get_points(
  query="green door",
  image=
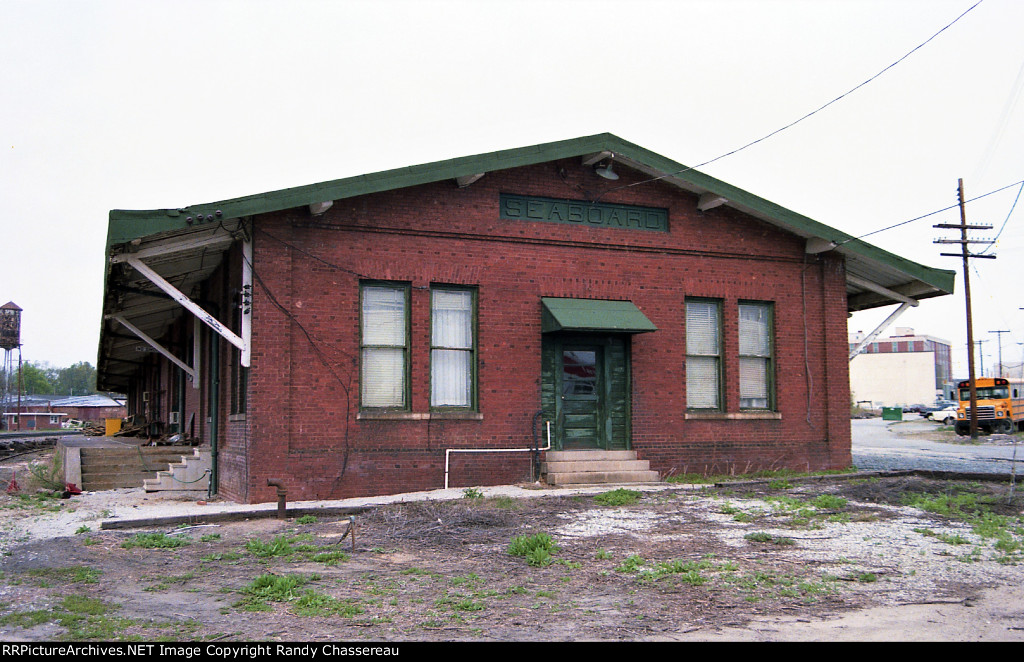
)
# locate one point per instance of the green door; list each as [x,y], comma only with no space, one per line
[585,386]
[581,393]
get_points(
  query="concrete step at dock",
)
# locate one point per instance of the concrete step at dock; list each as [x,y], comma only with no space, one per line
[190,472]
[593,467]
[117,468]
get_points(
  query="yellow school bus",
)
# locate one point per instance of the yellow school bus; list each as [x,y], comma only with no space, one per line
[1000,405]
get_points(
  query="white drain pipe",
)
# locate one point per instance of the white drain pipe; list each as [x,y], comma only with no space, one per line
[449,451]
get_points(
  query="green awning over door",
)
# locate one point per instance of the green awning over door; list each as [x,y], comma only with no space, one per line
[593,315]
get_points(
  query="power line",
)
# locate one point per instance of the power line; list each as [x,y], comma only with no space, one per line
[939,211]
[797,121]
[1006,220]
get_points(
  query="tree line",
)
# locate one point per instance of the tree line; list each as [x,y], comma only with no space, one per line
[40,378]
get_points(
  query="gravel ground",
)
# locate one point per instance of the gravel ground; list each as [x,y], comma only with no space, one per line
[926,589]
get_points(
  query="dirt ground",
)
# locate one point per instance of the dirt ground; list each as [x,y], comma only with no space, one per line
[818,560]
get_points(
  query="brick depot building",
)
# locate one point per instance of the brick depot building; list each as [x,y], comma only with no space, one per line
[427,326]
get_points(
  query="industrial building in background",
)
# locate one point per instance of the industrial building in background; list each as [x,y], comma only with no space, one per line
[904,369]
[541,313]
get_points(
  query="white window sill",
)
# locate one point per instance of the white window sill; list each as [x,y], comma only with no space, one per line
[733,416]
[419,416]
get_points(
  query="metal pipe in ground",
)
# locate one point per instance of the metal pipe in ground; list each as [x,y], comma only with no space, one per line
[281,494]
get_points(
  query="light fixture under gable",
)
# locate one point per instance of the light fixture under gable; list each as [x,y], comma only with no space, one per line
[604,169]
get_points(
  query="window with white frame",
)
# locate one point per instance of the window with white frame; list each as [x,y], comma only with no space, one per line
[756,384]
[384,345]
[452,347]
[703,354]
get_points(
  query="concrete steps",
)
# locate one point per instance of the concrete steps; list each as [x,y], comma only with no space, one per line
[191,472]
[122,467]
[594,467]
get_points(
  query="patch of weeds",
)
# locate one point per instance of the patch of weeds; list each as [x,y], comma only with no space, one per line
[279,546]
[631,564]
[85,618]
[47,502]
[312,603]
[687,572]
[472,493]
[419,572]
[785,502]
[954,539]
[505,502]
[692,479]
[83,529]
[329,558]
[458,602]
[270,588]
[77,574]
[781,474]
[867,577]
[389,588]
[155,541]
[602,554]
[210,537]
[470,580]
[538,549]
[283,546]
[828,502]
[619,497]
[1007,533]
[306,519]
[971,557]
[761,536]
[167,581]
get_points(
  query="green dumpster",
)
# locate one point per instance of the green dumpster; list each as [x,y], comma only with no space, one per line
[892,413]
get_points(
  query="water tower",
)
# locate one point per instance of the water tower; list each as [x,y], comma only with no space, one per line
[10,339]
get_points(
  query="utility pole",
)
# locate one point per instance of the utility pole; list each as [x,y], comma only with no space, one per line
[1000,341]
[966,255]
[981,355]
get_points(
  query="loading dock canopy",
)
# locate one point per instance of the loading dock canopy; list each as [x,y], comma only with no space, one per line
[593,315]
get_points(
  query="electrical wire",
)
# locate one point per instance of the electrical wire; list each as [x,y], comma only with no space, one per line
[1005,221]
[321,355]
[801,119]
[939,211]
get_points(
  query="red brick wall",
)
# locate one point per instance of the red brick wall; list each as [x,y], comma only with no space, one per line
[303,422]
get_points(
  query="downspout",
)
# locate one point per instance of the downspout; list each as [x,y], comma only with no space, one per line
[180,405]
[214,411]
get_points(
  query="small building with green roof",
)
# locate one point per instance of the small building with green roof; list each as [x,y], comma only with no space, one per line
[578,311]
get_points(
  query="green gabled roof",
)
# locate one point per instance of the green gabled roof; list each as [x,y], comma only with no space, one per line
[126,225]
[864,260]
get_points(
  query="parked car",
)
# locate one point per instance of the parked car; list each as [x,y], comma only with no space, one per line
[946,416]
[938,406]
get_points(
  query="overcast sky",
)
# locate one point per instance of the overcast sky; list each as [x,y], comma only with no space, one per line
[150,104]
